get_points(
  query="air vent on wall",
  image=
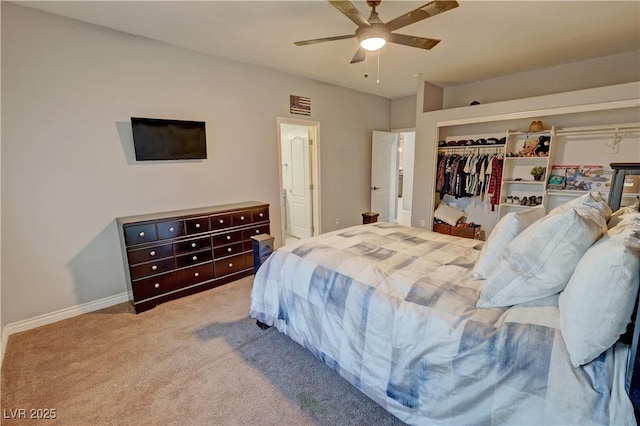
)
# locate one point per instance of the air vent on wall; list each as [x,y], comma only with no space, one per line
[299,105]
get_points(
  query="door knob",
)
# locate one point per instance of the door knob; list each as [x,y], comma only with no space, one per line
[373,188]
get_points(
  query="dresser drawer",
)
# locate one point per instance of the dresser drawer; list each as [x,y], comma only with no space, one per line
[228,250]
[137,234]
[255,230]
[197,225]
[193,258]
[154,286]
[227,238]
[228,265]
[195,274]
[240,218]
[144,269]
[170,229]
[150,253]
[192,245]
[260,214]
[221,221]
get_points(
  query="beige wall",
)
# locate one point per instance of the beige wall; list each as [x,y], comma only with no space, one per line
[403,113]
[597,72]
[68,92]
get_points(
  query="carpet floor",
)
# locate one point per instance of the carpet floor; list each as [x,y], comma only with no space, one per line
[198,360]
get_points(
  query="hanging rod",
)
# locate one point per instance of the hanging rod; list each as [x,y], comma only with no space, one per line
[599,130]
[497,148]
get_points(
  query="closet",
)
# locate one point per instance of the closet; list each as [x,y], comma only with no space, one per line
[576,142]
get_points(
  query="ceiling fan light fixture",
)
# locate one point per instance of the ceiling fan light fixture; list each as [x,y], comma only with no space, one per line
[373,38]
[373,43]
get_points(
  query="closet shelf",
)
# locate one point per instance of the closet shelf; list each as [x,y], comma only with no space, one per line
[577,193]
[527,159]
[525,182]
[514,205]
[493,147]
[523,132]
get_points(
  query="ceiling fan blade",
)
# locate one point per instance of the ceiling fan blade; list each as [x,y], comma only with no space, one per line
[420,42]
[351,12]
[322,40]
[360,55]
[430,9]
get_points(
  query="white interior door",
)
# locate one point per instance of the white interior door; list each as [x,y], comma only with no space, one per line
[384,175]
[299,193]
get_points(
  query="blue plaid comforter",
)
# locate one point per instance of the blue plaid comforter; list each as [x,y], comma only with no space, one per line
[392,310]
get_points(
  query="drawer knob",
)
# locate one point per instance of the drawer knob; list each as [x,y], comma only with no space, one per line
[197,274]
[197,225]
[221,220]
[257,231]
[261,215]
[156,285]
[241,217]
[228,237]
[195,257]
[171,229]
[152,253]
[230,264]
[193,244]
[229,249]
[141,233]
[154,267]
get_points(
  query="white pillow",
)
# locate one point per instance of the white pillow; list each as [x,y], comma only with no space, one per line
[448,214]
[598,302]
[630,222]
[505,230]
[619,215]
[591,199]
[539,262]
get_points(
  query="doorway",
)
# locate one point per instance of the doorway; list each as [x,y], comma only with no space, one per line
[299,165]
[406,152]
[392,165]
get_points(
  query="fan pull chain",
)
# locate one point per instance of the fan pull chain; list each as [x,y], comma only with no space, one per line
[366,61]
[378,79]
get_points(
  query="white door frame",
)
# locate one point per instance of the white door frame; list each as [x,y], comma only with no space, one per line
[387,205]
[398,131]
[314,152]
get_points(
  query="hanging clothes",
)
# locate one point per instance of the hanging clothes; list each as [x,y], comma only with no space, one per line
[464,175]
[493,190]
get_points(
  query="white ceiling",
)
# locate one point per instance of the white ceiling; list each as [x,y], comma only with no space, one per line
[480,39]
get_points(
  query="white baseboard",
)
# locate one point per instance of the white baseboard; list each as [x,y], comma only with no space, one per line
[55,316]
[3,348]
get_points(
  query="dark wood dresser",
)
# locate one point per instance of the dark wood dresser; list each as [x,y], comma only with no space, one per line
[174,254]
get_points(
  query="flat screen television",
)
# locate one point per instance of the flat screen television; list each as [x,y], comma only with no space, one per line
[160,139]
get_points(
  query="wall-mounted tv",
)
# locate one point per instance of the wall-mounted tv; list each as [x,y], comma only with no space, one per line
[160,139]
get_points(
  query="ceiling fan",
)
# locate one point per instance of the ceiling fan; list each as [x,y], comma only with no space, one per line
[373,34]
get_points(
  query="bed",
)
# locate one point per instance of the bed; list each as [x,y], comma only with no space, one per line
[394,311]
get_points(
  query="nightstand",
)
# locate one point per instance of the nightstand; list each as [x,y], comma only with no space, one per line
[369,217]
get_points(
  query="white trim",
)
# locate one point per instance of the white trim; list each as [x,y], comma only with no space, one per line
[315,172]
[73,311]
[602,106]
[5,340]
